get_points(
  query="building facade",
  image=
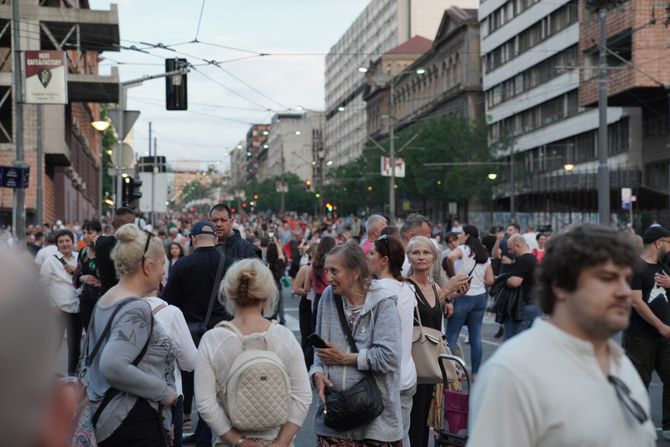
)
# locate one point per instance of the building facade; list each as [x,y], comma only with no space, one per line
[383,25]
[532,67]
[295,145]
[449,83]
[71,149]
[257,136]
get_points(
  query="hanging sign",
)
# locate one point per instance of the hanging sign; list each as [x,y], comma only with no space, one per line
[46,79]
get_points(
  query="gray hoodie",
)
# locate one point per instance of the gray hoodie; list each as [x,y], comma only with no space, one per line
[378,339]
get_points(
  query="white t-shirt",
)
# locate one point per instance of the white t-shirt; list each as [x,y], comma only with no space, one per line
[531,240]
[174,324]
[58,283]
[44,253]
[404,292]
[465,265]
[544,388]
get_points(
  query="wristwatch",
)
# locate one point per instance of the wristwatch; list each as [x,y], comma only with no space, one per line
[240,441]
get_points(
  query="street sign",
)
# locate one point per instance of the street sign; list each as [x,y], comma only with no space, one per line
[281,186]
[399,167]
[46,77]
[626,198]
[13,177]
[129,118]
[154,192]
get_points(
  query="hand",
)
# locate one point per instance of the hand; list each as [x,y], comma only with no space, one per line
[665,331]
[335,356]
[277,443]
[449,309]
[456,283]
[506,260]
[171,399]
[663,280]
[249,443]
[321,382]
[69,269]
[500,235]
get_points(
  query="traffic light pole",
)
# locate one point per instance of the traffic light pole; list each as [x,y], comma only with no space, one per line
[123,92]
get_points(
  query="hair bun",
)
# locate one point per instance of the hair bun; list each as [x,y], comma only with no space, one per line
[127,233]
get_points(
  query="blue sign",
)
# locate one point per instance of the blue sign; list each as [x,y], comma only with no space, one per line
[12,177]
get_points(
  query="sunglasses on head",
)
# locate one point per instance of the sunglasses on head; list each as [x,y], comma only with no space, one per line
[146,245]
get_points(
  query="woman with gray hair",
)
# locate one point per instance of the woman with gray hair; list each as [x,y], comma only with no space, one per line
[248,291]
[372,318]
[131,383]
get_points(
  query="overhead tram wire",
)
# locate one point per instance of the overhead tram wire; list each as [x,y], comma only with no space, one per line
[197,31]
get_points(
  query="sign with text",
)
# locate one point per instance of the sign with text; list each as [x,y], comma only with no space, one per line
[46,78]
[399,167]
[13,177]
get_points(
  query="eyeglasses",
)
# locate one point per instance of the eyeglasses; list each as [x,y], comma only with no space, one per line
[146,245]
[623,394]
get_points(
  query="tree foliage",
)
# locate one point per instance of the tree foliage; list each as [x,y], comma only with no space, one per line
[358,185]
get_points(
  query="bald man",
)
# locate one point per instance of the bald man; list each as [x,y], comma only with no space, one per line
[522,274]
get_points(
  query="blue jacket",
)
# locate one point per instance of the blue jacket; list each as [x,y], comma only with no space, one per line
[377,337]
[236,248]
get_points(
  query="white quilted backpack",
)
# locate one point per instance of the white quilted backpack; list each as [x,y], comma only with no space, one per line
[257,392]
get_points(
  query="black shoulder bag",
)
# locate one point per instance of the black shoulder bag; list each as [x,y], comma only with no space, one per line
[359,404]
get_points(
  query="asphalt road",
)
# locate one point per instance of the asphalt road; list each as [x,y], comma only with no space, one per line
[307,438]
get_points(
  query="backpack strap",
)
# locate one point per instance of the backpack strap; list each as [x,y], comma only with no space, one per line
[105,332]
[215,287]
[236,330]
[159,308]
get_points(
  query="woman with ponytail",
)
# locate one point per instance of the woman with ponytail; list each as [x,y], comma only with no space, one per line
[473,260]
[248,292]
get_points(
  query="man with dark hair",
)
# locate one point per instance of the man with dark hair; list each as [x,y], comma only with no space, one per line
[229,239]
[646,338]
[103,250]
[564,382]
[190,286]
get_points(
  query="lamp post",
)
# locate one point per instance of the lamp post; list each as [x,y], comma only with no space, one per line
[101,126]
[391,83]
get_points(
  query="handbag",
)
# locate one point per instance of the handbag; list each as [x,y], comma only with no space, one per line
[360,403]
[427,345]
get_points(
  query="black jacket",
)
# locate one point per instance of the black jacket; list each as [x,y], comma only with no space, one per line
[190,285]
[104,263]
[235,248]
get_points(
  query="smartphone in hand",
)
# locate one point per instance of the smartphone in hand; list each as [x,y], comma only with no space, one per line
[316,341]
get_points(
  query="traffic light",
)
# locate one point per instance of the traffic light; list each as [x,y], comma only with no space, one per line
[176,97]
[308,185]
[131,191]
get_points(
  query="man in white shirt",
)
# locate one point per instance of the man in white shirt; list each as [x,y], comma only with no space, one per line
[564,381]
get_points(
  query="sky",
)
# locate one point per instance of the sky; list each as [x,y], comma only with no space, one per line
[246,88]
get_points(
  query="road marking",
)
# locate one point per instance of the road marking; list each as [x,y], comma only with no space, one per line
[292,323]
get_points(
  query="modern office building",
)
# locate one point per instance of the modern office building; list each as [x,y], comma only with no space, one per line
[383,25]
[537,110]
[69,166]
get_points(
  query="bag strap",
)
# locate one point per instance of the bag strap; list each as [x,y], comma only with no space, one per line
[105,331]
[230,325]
[111,391]
[215,288]
[473,269]
[339,303]
[159,308]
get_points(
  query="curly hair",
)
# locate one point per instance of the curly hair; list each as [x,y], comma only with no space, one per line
[568,254]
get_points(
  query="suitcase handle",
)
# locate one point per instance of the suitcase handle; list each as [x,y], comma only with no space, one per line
[441,359]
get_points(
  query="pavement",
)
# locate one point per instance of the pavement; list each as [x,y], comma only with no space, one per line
[306,436]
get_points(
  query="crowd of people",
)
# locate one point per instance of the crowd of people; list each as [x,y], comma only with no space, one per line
[157,318]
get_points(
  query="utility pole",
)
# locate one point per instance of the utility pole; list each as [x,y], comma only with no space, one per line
[19,202]
[392,152]
[603,172]
[154,168]
[39,196]
[512,182]
[152,177]
[283,185]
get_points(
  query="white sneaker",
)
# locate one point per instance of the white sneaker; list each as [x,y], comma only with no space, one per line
[666,434]
[467,339]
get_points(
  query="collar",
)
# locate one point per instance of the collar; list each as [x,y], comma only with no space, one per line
[582,347]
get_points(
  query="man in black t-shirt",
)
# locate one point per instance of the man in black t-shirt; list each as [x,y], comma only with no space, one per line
[646,340]
[522,274]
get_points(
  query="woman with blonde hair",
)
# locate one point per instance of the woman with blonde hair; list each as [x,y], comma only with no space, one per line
[248,292]
[130,360]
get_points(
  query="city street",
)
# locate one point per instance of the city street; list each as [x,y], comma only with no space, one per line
[307,438]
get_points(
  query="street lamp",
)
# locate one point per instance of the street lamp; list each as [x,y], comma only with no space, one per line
[101,126]
[492,176]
